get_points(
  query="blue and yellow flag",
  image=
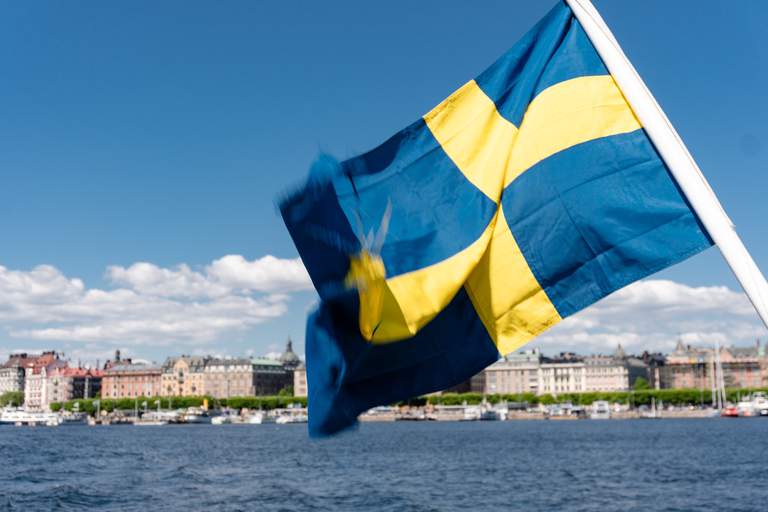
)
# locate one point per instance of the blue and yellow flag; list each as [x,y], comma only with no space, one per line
[525,196]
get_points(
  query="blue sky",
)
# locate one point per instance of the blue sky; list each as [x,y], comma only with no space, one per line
[163,132]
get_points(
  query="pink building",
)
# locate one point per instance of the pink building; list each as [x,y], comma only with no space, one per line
[125,379]
[72,383]
[691,367]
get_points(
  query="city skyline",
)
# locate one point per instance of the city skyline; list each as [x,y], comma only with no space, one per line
[137,211]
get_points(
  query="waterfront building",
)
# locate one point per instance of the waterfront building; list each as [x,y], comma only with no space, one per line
[126,379]
[528,371]
[183,376]
[36,379]
[562,374]
[66,383]
[693,367]
[226,377]
[270,376]
[300,380]
[35,388]
[515,373]
[655,368]
[605,373]
[742,366]
[616,372]
[12,372]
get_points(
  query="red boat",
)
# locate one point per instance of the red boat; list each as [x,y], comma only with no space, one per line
[730,412]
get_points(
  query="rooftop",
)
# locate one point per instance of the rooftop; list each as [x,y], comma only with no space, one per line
[265,361]
[132,367]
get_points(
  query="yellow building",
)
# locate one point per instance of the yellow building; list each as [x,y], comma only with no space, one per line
[183,376]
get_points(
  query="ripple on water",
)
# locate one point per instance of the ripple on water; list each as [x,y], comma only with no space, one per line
[566,466]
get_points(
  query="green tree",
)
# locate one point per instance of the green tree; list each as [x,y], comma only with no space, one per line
[12,399]
[641,384]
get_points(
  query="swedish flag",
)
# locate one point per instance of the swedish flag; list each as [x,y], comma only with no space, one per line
[528,194]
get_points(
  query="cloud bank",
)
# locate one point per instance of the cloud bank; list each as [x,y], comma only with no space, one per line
[147,303]
[653,314]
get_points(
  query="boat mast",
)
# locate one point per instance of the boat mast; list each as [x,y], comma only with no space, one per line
[713,379]
[719,374]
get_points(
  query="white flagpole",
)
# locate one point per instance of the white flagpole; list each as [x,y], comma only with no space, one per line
[672,149]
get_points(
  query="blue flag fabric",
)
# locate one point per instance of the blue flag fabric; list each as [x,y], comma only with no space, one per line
[527,195]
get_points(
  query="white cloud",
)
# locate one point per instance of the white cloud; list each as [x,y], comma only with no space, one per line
[148,304]
[154,306]
[181,281]
[653,314]
[223,276]
[44,284]
[266,274]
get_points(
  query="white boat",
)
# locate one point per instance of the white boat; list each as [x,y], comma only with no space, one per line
[156,418]
[601,410]
[260,418]
[196,416]
[746,408]
[284,419]
[760,401]
[32,418]
[471,413]
[73,418]
[227,418]
[150,423]
[755,405]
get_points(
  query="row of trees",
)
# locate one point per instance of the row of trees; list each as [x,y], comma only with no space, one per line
[178,402]
[635,398]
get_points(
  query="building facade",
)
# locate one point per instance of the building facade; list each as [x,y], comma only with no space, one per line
[515,373]
[12,372]
[36,390]
[694,367]
[228,377]
[562,374]
[300,381]
[71,384]
[270,376]
[183,376]
[125,379]
[224,378]
[528,371]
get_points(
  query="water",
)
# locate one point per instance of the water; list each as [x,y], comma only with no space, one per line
[668,465]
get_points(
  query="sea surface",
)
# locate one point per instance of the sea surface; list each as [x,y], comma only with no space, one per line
[627,465]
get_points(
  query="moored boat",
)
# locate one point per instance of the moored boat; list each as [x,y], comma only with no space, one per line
[31,418]
[73,418]
[226,418]
[260,418]
[601,410]
[291,415]
[156,418]
[150,423]
[196,416]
